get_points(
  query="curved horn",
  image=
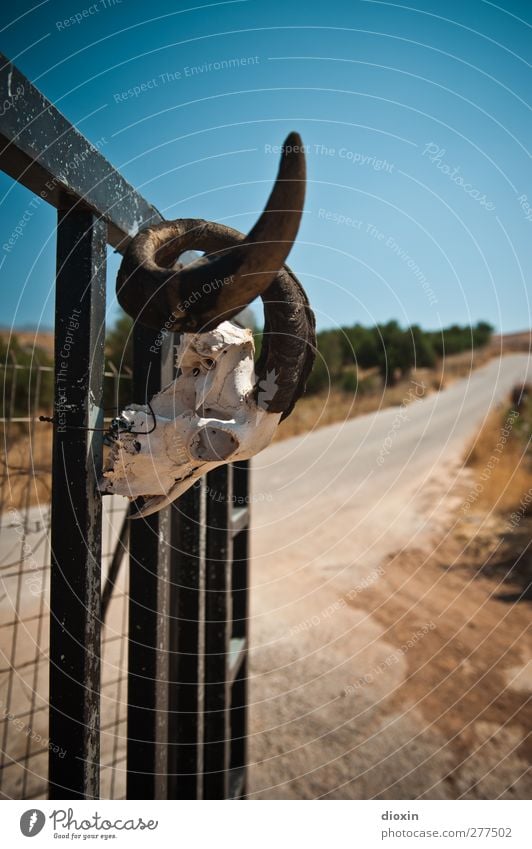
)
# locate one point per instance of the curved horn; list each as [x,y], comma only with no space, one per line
[217,286]
[238,268]
[288,345]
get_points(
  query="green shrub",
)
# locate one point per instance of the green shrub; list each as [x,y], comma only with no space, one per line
[350,382]
[390,348]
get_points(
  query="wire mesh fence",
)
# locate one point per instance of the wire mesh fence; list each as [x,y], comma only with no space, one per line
[25,487]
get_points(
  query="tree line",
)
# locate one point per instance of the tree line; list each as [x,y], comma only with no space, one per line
[385,350]
[390,350]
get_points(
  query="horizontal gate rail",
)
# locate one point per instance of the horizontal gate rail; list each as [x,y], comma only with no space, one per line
[43,151]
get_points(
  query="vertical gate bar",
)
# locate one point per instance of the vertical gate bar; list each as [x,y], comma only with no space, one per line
[187,635]
[149,546]
[240,552]
[76,507]
[240,596]
[218,620]
[238,726]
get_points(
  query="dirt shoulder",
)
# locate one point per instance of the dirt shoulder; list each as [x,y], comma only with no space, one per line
[418,685]
[470,675]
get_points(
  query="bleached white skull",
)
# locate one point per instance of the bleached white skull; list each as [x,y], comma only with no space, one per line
[221,407]
[207,416]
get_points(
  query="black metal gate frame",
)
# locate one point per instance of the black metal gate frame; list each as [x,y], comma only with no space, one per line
[188,578]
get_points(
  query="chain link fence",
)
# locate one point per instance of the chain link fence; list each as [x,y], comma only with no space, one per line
[25,488]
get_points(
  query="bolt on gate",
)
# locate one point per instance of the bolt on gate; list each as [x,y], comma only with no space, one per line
[186,588]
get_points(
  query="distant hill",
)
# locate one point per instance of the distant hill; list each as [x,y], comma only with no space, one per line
[29,337]
[521,341]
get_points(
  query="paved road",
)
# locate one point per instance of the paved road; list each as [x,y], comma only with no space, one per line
[362,474]
[331,506]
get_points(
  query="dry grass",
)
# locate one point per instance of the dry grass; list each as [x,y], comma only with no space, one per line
[501,460]
[37,341]
[460,365]
[25,470]
[512,342]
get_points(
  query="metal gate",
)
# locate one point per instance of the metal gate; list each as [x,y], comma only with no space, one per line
[181,649]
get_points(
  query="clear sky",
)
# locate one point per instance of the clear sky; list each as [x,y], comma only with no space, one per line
[416,118]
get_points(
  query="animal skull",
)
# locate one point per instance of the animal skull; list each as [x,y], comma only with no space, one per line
[207,416]
[221,407]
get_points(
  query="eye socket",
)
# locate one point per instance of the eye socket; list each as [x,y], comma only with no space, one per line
[208,364]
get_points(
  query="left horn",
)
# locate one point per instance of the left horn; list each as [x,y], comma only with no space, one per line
[235,270]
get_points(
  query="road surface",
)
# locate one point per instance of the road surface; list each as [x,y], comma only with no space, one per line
[330,507]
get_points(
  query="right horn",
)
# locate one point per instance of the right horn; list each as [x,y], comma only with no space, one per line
[197,297]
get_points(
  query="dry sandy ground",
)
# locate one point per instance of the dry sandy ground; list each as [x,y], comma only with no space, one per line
[415,685]
[389,658]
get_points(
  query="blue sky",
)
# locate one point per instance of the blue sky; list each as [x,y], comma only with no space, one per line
[417,122]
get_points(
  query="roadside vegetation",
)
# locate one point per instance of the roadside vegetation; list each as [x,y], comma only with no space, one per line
[500,458]
[493,523]
[357,370]
[356,359]
[361,370]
